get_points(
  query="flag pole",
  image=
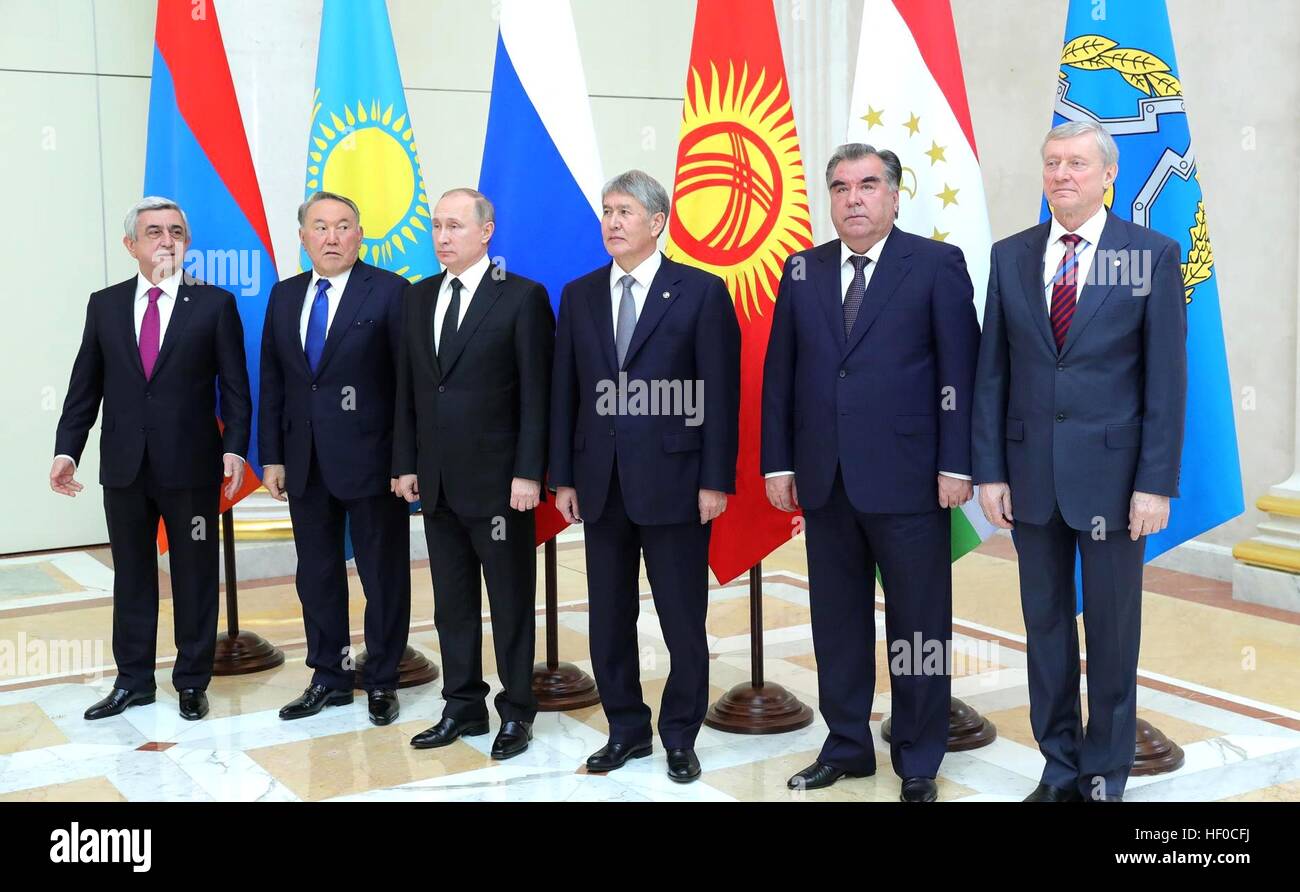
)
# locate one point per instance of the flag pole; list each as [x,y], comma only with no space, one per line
[758,706]
[239,652]
[558,686]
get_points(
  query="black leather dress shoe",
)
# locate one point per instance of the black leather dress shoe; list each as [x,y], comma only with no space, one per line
[512,739]
[919,789]
[818,775]
[683,767]
[447,731]
[194,704]
[383,707]
[614,755]
[1048,793]
[313,700]
[117,701]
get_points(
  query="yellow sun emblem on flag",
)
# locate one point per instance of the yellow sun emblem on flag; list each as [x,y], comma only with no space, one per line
[740,202]
[365,153]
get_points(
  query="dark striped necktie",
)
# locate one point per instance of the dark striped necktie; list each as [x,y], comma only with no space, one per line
[1065,291]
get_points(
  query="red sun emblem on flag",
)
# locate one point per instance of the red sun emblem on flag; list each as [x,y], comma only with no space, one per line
[740,205]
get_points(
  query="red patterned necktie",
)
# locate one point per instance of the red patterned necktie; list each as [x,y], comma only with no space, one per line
[1065,293]
[150,327]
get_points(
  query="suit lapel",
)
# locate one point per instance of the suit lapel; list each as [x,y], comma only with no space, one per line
[1091,296]
[427,314]
[354,295]
[124,311]
[602,313]
[893,267]
[659,297]
[825,281]
[1032,250]
[291,313]
[488,292]
[182,310]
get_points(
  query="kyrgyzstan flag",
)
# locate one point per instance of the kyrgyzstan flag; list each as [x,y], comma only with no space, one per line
[740,208]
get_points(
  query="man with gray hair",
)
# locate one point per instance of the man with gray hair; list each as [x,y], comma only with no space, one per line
[1079,407]
[645,482]
[329,386]
[156,351]
[866,426]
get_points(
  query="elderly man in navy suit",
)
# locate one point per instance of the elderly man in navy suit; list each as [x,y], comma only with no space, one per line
[157,349]
[866,425]
[329,390]
[643,476]
[1079,407]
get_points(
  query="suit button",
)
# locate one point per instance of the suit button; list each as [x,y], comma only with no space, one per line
[314,387]
[611,432]
[142,430]
[1060,416]
[442,388]
[1060,366]
[148,395]
[843,374]
[309,424]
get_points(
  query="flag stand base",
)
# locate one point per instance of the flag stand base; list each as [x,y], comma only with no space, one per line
[415,669]
[967,729]
[558,686]
[1156,753]
[239,652]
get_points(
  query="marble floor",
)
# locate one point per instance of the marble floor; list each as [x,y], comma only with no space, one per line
[1220,678]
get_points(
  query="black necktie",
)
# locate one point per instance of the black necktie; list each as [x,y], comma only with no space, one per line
[451,320]
[856,292]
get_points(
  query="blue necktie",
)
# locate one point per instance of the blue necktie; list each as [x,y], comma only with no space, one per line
[317,324]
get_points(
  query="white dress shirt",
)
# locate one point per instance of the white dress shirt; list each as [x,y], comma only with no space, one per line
[846,279]
[1084,252]
[644,274]
[470,279]
[332,297]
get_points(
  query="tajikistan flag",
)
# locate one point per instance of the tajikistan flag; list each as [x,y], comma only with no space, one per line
[909,96]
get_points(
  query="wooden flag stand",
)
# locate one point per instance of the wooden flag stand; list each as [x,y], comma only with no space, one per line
[558,686]
[967,729]
[756,706]
[239,652]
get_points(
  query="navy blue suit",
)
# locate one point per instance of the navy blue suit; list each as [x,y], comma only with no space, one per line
[1074,433]
[638,478]
[161,456]
[332,429]
[866,423]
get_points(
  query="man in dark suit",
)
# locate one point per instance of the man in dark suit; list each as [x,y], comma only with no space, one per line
[1079,408]
[329,355]
[473,395]
[866,427]
[649,477]
[156,350]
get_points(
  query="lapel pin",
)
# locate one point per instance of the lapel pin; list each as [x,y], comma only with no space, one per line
[667,295]
[187,300]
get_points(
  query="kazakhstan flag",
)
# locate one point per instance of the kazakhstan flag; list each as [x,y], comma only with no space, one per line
[362,141]
[1121,71]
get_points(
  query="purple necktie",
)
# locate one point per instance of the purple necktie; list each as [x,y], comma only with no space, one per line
[149,330]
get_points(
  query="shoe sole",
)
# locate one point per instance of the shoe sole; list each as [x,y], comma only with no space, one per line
[145,701]
[501,757]
[685,780]
[468,731]
[382,720]
[327,702]
[638,753]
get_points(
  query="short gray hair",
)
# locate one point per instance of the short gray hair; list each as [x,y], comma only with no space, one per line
[641,186]
[1071,129]
[484,212]
[152,203]
[854,151]
[326,196]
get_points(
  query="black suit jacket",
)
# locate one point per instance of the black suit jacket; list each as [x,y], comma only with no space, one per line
[345,409]
[470,421]
[174,414]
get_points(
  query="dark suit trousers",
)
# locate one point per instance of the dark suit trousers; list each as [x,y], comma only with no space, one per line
[504,549]
[677,564]
[381,543]
[1097,762]
[913,552]
[190,516]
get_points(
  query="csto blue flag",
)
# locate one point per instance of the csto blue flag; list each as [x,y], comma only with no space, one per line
[1120,70]
[362,140]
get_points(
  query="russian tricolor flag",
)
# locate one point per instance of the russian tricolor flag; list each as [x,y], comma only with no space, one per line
[541,168]
[198,156]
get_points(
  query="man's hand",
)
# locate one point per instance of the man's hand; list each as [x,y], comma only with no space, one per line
[566,502]
[995,502]
[63,478]
[954,492]
[1147,514]
[782,492]
[712,503]
[408,487]
[234,468]
[525,495]
[273,480]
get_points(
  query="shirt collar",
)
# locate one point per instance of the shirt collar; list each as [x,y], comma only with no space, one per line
[337,283]
[169,285]
[873,252]
[1089,230]
[470,278]
[644,272]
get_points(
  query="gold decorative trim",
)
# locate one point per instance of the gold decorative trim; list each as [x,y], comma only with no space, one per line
[263,530]
[1272,557]
[1279,505]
